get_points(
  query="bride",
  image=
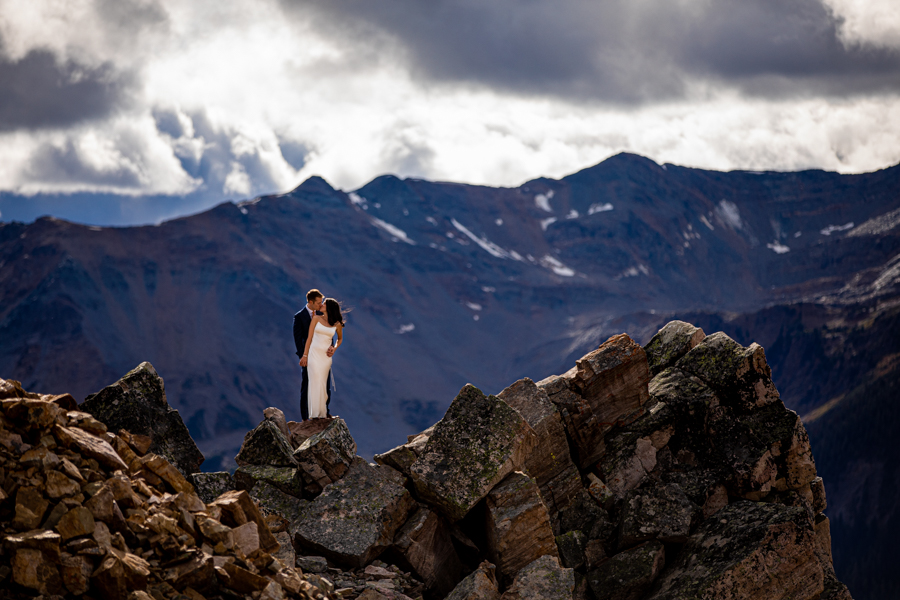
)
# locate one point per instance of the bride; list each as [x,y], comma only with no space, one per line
[321,333]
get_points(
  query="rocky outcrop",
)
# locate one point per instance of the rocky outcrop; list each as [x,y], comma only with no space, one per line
[518,526]
[266,445]
[596,484]
[137,403]
[549,464]
[355,519]
[324,457]
[480,441]
[672,342]
[749,550]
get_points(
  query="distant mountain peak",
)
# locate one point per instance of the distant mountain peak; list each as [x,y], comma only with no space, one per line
[314,184]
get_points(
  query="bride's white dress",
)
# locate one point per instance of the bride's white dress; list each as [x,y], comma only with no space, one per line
[317,367]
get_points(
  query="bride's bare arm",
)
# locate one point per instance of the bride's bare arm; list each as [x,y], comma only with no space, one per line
[340,333]
[309,337]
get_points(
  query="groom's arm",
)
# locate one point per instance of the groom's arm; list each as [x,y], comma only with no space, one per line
[299,330]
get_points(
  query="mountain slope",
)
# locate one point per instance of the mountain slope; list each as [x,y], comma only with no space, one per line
[448,283]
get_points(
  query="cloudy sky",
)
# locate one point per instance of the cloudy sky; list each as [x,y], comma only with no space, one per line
[117,111]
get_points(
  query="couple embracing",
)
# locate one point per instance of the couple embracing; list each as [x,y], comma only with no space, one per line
[314,329]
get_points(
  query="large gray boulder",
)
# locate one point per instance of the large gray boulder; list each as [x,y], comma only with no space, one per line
[480,441]
[670,343]
[266,445]
[137,403]
[750,550]
[355,519]
[518,526]
[739,376]
[325,457]
[542,579]
[549,464]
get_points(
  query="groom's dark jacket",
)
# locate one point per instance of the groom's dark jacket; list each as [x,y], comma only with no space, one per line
[301,330]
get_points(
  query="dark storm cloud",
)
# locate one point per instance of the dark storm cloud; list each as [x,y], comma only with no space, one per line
[40,92]
[615,51]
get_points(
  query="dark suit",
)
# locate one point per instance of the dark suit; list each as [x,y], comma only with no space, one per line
[301,331]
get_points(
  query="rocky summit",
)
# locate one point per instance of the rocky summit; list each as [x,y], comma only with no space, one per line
[670,471]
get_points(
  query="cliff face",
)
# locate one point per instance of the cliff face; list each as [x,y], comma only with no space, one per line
[672,470]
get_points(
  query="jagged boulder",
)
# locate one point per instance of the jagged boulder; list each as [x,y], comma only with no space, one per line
[750,550]
[670,343]
[324,457]
[629,574]
[137,403]
[210,486]
[266,445]
[518,526]
[426,544]
[662,512]
[402,457]
[480,441]
[480,584]
[739,376]
[613,379]
[765,450]
[355,518]
[542,579]
[549,464]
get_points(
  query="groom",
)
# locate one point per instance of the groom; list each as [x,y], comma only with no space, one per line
[302,320]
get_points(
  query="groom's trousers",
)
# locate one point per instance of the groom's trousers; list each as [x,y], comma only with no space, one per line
[304,394]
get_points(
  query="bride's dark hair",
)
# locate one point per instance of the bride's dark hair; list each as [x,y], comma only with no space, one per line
[333,311]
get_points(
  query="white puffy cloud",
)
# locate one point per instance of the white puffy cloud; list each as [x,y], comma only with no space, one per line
[234,98]
[868,22]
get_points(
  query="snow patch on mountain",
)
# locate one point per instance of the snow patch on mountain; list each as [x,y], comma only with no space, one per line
[598,208]
[545,223]
[542,201]
[778,247]
[396,232]
[556,266]
[730,214]
[833,228]
[486,245]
